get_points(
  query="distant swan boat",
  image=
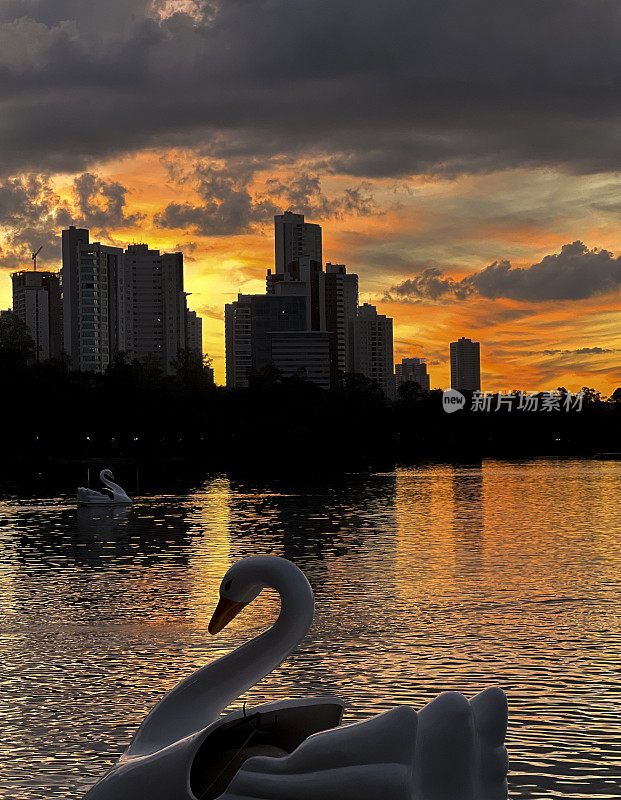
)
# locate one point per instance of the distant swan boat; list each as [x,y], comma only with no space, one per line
[453,749]
[115,495]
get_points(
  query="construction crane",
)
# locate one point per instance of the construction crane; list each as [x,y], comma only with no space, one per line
[34,257]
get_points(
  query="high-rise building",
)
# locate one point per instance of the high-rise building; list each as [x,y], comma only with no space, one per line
[412,370]
[341,301]
[152,305]
[373,348]
[304,277]
[140,315]
[36,301]
[295,239]
[194,332]
[89,290]
[271,329]
[132,302]
[306,323]
[175,308]
[465,365]
[303,354]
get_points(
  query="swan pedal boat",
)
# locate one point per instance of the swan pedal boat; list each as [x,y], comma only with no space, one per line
[453,749]
[115,495]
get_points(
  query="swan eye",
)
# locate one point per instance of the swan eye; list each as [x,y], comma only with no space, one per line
[227,585]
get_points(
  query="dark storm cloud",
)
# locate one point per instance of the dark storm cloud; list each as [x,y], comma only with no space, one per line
[364,87]
[101,203]
[581,351]
[429,285]
[32,214]
[575,273]
[228,208]
[304,194]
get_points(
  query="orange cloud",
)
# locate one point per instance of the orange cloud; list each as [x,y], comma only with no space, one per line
[390,231]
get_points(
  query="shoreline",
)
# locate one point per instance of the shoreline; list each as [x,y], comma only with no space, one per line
[175,473]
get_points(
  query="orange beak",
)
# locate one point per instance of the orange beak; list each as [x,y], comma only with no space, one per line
[226,610]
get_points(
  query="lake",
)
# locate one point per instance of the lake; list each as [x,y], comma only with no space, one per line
[426,578]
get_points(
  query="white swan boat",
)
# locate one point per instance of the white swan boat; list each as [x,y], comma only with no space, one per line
[113,494]
[453,749]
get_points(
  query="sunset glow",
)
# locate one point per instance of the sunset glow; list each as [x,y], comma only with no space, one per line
[210,150]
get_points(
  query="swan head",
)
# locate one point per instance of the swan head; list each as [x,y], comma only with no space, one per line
[246,579]
[106,473]
[240,586]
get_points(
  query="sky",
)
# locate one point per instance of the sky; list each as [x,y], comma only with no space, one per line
[462,157]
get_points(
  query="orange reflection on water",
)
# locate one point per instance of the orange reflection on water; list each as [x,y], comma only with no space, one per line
[429,578]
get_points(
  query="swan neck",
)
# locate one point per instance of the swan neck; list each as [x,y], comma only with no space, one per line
[203,696]
[114,487]
[258,657]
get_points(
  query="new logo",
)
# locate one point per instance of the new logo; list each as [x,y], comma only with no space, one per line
[452,400]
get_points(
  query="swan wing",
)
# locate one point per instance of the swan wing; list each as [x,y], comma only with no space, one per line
[273,729]
[122,498]
[119,495]
[363,761]
[468,735]
[452,748]
[91,496]
[201,765]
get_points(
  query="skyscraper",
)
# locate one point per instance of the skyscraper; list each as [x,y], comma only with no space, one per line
[298,265]
[295,239]
[304,277]
[152,305]
[132,302]
[194,332]
[271,329]
[303,354]
[36,301]
[465,365]
[412,370]
[175,308]
[373,348]
[307,323]
[341,299]
[89,289]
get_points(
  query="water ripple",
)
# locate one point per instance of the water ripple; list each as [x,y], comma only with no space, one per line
[425,579]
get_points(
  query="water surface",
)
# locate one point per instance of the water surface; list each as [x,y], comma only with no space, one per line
[428,578]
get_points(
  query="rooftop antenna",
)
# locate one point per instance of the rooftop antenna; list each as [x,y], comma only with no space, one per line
[34,257]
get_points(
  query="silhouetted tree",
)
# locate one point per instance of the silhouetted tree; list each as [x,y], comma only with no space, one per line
[119,360]
[134,411]
[615,397]
[16,344]
[265,378]
[194,369]
[410,392]
[62,362]
[590,396]
[359,384]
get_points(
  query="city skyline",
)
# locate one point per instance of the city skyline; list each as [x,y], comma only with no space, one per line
[430,168]
[434,303]
[321,297]
[106,301]
[401,349]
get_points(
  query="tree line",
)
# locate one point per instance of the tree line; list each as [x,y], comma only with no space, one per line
[135,412]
